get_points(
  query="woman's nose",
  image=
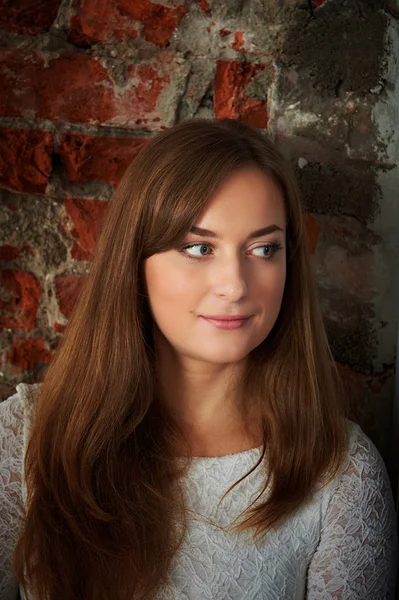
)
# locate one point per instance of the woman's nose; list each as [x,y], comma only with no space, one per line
[230,280]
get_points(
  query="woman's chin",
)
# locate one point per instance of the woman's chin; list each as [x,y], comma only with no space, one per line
[223,356]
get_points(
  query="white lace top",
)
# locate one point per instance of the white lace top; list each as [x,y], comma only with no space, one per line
[342,545]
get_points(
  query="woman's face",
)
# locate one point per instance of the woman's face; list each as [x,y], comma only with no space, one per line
[232,269]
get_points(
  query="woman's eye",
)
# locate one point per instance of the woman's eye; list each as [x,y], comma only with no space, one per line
[201,250]
[268,250]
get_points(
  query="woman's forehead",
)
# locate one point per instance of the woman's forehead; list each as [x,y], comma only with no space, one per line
[247,197]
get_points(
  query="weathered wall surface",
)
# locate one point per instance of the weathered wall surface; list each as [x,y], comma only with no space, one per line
[85,84]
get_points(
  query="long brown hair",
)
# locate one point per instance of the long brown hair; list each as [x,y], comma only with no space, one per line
[105,513]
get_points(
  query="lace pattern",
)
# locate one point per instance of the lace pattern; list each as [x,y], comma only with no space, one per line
[341,546]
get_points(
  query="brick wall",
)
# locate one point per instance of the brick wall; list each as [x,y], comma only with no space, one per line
[84,85]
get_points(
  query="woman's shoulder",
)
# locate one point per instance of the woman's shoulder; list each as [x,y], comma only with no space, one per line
[363,456]
[15,417]
[356,554]
[363,480]
[21,401]
[15,420]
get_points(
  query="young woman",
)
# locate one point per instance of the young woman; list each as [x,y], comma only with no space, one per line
[189,440]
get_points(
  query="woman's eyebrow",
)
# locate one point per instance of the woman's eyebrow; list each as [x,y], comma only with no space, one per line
[259,232]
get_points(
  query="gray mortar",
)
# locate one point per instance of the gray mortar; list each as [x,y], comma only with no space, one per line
[346,338]
[338,304]
[58,128]
[61,23]
[333,109]
[386,116]
[199,82]
[349,231]
[339,46]
[60,187]
[34,220]
[338,190]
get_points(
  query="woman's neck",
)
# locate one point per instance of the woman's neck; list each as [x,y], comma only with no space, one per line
[206,401]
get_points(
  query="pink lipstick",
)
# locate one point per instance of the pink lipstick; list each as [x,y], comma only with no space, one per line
[225,321]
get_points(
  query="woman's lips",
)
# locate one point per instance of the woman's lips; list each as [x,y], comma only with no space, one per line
[226,322]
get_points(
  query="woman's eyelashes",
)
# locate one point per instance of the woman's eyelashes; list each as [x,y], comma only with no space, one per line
[268,251]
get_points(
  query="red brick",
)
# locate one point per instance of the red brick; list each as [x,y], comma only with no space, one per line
[91,22]
[238,43]
[230,99]
[12,253]
[78,88]
[96,21]
[204,6]
[71,87]
[98,158]
[67,289]
[9,253]
[27,354]
[142,99]
[159,22]
[313,229]
[19,301]
[27,17]
[88,217]
[59,327]
[25,159]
